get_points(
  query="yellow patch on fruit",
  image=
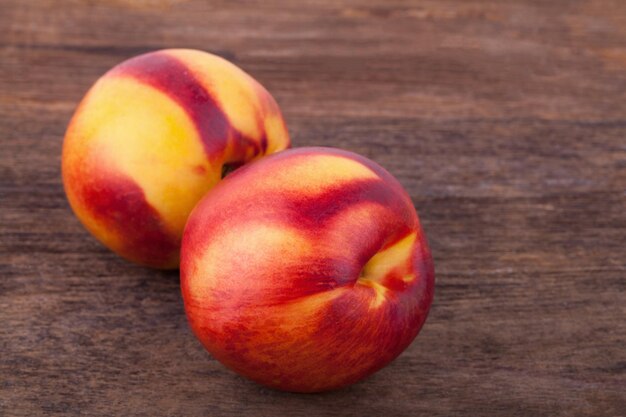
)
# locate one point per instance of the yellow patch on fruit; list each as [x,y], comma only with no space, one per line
[239,96]
[313,174]
[276,131]
[383,263]
[392,257]
[251,246]
[306,310]
[152,140]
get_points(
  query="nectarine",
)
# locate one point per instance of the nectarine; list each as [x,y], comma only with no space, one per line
[307,270]
[152,136]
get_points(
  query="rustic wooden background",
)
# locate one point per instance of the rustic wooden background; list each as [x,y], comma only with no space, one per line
[506,121]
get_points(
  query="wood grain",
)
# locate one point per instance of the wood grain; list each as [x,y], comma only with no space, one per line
[506,122]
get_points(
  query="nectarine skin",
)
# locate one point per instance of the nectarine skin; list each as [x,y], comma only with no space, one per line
[307,270]
[152,136]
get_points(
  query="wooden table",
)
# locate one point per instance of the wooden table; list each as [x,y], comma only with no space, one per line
[506,121]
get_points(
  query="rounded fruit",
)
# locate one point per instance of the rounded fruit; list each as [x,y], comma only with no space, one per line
[306,271]
[152,136]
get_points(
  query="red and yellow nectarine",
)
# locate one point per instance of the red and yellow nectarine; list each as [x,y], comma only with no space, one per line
[307,270]
[152,136]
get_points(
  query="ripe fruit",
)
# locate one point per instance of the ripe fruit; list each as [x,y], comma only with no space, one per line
[152,136]
[306,271]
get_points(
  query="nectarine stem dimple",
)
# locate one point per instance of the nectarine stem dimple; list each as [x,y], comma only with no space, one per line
[380,290]
[390,266]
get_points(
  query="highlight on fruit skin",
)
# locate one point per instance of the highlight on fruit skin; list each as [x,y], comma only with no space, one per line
[152,136]
[306,271]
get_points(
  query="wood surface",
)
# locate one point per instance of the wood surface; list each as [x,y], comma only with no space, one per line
[505,121]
